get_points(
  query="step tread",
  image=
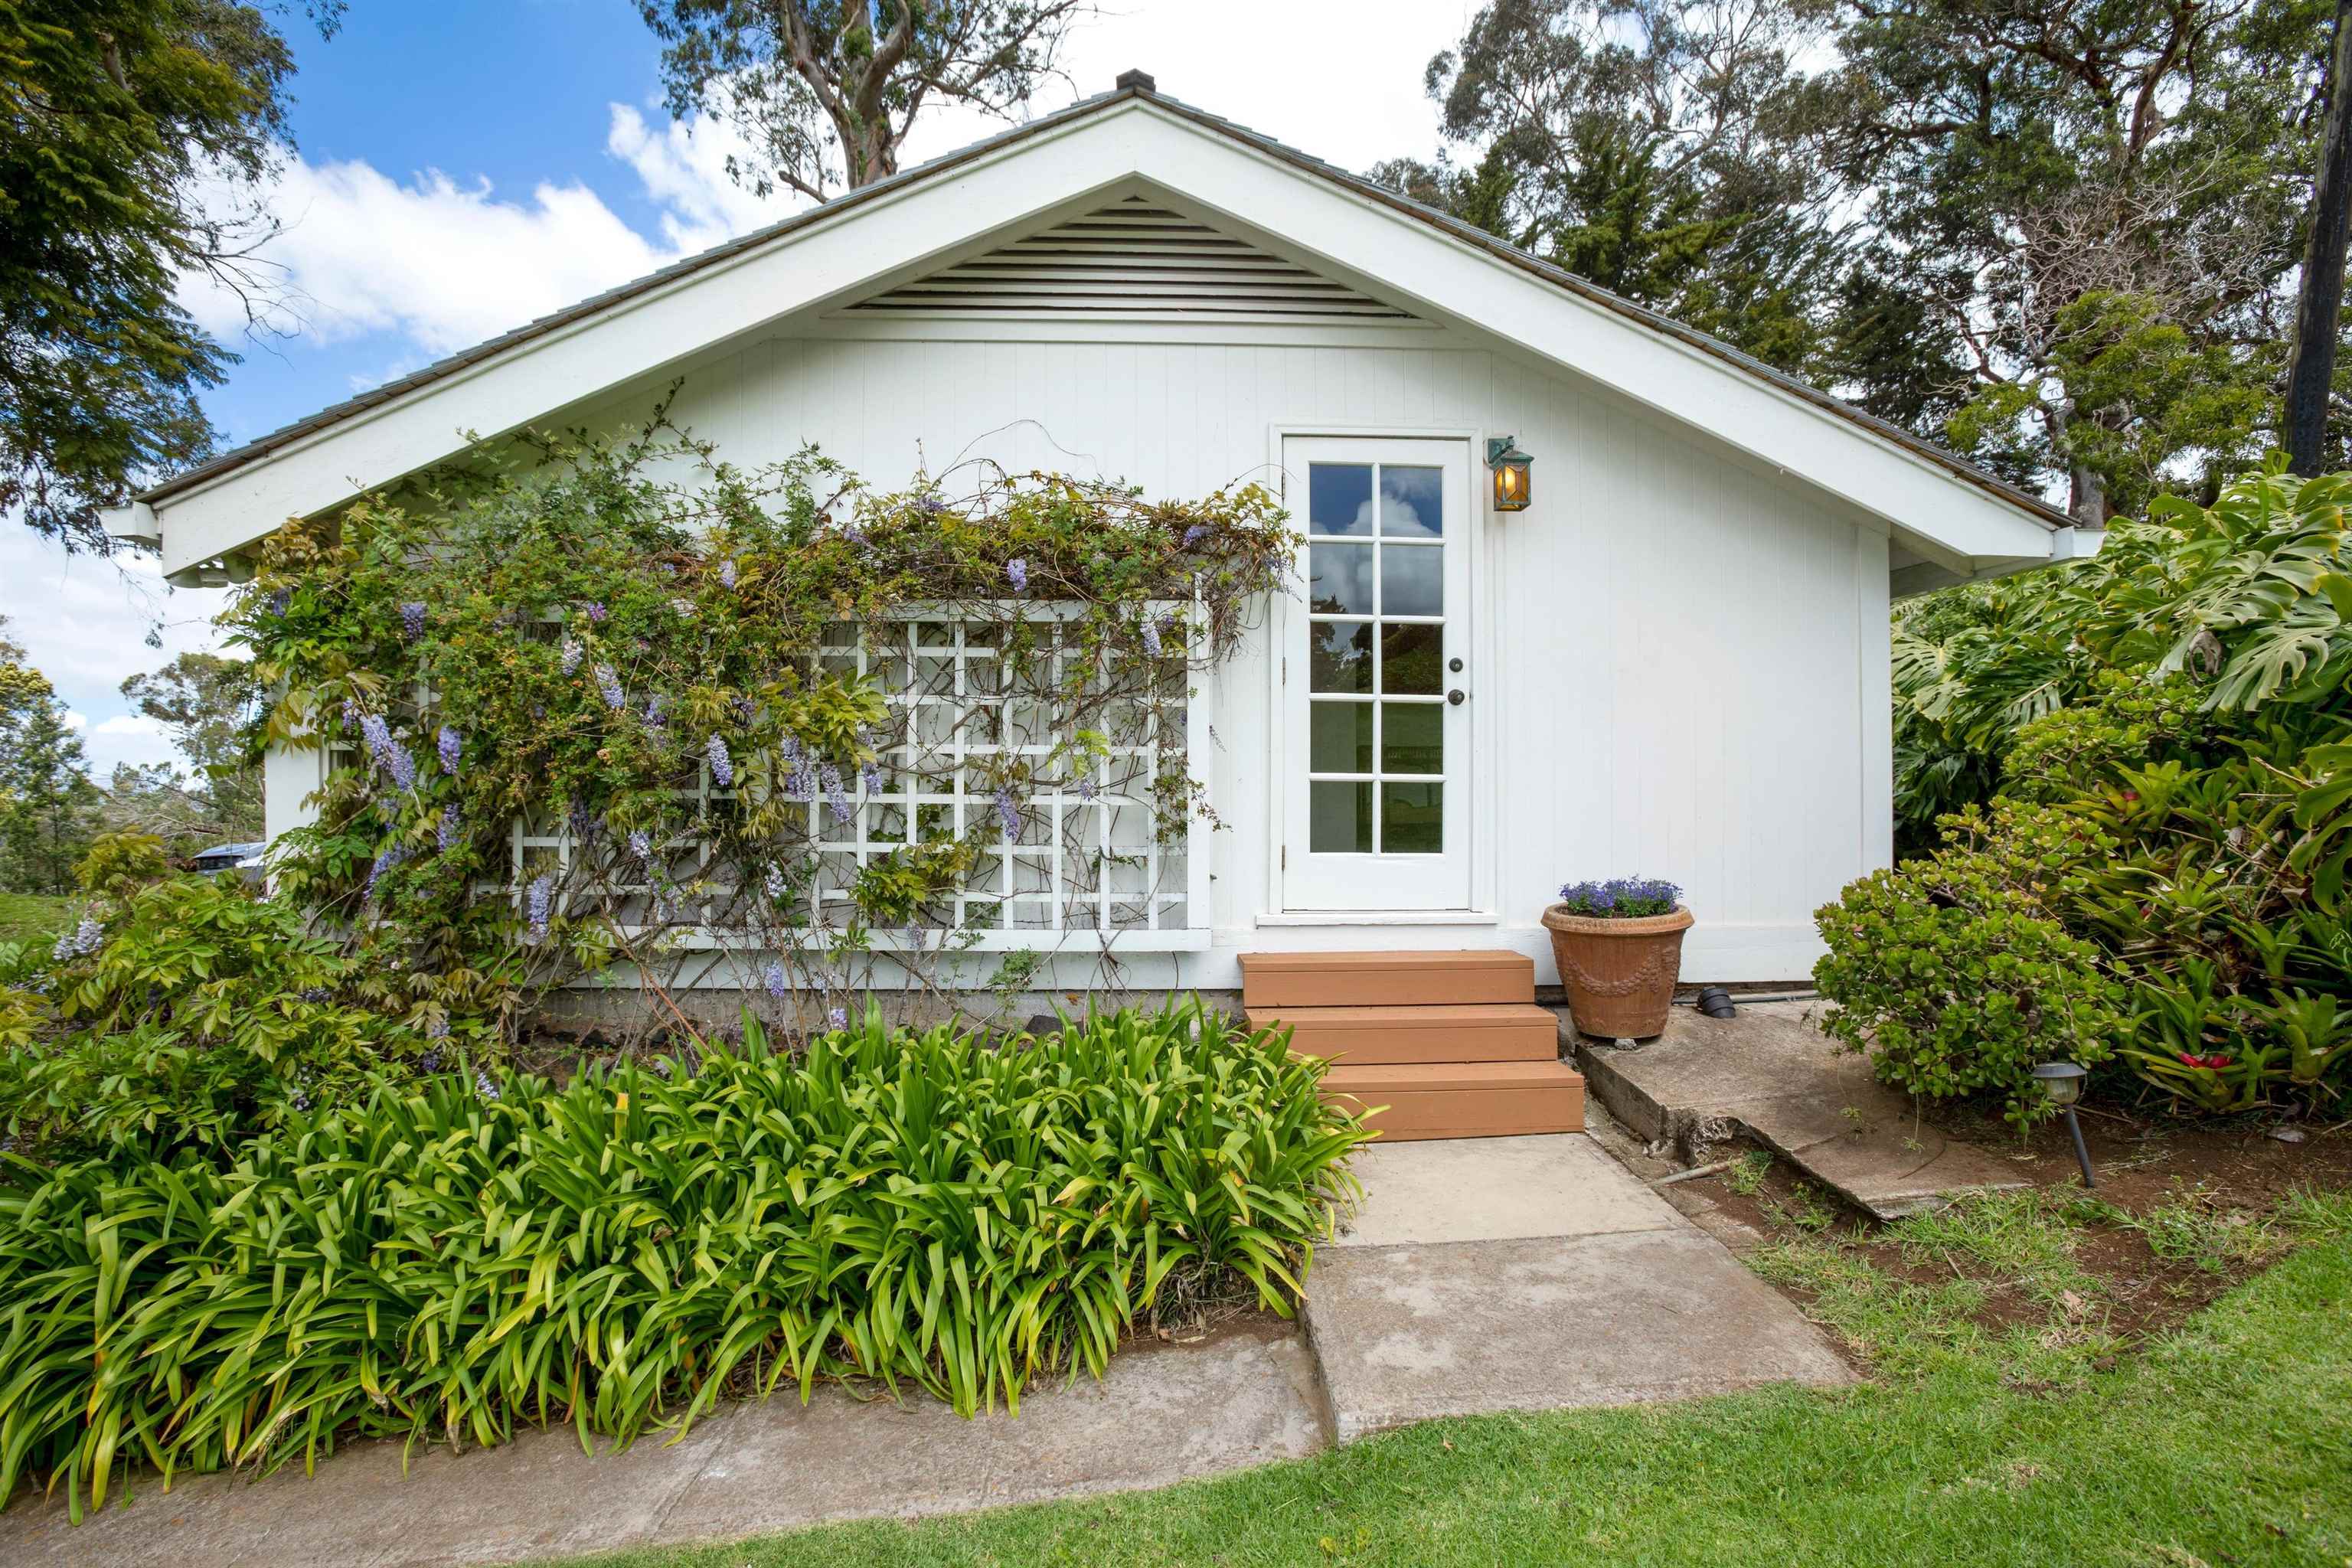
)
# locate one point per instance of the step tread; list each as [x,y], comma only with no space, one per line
[1456,977]
[1431,1015]
[1384,960]
[1426,1077]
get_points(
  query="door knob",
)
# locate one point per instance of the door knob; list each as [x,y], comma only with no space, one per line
[1455,697]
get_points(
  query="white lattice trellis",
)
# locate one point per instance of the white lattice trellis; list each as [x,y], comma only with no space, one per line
[1091,865]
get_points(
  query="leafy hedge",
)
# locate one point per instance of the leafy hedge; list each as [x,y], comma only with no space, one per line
[452,1256]
[2159,879]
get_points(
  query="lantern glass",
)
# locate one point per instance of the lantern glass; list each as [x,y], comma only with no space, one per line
[1513,478]
[2062,1081]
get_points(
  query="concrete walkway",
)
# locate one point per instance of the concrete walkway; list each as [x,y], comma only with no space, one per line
[1770,1072]
[1162,1415]
[1491,1274]
[1535,1274]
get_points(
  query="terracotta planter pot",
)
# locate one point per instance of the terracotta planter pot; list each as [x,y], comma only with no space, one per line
[1620,973]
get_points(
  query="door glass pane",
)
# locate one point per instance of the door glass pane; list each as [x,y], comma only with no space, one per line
[1339,579]
[1412,579]
[1413,818]
[1413,503]
[1340,739]
[1412,737]
[1412,659]
[1339,498]
[1341,655]
[1339,818]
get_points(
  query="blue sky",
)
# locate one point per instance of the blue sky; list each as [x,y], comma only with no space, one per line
[460,168]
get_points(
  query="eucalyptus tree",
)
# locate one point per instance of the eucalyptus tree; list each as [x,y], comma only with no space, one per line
[824,92]
[1643,145]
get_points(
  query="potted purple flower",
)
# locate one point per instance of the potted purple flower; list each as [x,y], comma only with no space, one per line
[1619,946]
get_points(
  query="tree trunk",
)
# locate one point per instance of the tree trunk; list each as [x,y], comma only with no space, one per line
[2311,374]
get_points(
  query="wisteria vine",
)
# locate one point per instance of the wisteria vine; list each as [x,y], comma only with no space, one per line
[645,673]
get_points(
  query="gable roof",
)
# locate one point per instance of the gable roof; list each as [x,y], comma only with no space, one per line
[1135,92]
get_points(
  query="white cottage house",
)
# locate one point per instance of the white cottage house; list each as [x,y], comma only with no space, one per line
[1672,660]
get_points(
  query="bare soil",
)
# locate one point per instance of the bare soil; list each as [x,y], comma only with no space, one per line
[2236,1172]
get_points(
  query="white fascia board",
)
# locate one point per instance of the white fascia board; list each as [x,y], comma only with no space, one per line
[641,336]
[133,523]
[1419,265]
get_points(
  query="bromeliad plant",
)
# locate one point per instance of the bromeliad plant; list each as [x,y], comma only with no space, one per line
[450,1257]
[589,715]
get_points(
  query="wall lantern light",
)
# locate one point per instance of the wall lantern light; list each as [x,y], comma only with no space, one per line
[2063,1083]
[1513,486]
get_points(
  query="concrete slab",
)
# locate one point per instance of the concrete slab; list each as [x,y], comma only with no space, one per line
[1408,1333]
[1495,1189]
[1162,1414]
[1771,1073]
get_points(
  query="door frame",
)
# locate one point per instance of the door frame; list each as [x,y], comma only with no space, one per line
[1485,795]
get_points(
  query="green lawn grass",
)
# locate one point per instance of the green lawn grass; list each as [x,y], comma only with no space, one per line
[28,917]
[2229,1442]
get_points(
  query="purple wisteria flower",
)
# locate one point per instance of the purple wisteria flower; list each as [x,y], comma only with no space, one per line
[429,1062]
[655,707]
[412,619]
[727,573]
[722,767]
[350,714]
[858,536]
[1086,790]
[538,901]
[1016,572]
[641,844]
[838,1017]
[775,883]
[391,855]
[1151,637]
[773,977]
[572,649]
[80,942]
[931,504]
[447,831]
[1008,813]
[389,754]
[449,744]
[871,777]
[1195,535]
[596,611]
[835,796]
[277,602]
[484,1087]
[610,685]
[438,1030]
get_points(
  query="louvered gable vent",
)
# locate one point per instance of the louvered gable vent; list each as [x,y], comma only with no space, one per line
[1133,258]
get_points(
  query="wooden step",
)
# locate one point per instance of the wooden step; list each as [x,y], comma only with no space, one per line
[1364,1036]
[1461,1099]
[1385,979]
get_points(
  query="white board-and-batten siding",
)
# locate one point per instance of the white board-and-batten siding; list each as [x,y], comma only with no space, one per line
[1691,652]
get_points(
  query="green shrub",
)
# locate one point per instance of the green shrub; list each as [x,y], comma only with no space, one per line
[1952,972]
[184,1011]
[456,1254]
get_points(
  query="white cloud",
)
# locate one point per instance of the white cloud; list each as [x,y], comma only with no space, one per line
[75,721]
[684,170]
[85,623]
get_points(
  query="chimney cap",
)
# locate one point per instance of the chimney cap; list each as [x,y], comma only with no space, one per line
[1138,80]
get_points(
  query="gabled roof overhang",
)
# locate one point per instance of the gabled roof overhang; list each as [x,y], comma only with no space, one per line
[1956,522]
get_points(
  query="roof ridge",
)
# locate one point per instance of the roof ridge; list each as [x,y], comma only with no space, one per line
[1137,86]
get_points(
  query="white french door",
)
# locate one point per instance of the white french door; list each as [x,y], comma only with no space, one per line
[1375,677]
